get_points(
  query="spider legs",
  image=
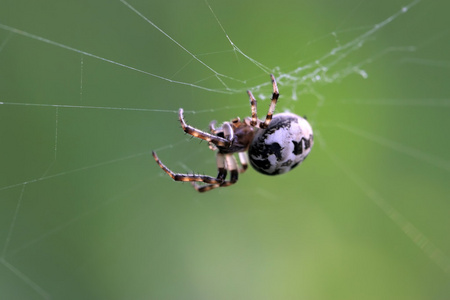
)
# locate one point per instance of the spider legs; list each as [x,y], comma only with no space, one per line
[186,177]
[216,140]
[225,162]
[230,138]
[254,119]
[244,162]
[273,103]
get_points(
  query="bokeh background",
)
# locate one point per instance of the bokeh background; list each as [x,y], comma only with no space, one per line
[85,213]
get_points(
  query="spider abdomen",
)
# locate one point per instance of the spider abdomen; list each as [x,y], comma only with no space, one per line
[282,146]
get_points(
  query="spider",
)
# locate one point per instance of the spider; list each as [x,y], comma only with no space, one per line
[275,145]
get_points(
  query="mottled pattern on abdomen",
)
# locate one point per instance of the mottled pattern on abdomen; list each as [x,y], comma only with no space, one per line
[282,146]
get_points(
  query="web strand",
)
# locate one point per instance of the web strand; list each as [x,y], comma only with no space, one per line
[42,39]
[195,57]
[13,222]
[321,70]
[235,48]
[81,77]
[416,154]
[12,268]
[38,289]
[302,78]
[411,231]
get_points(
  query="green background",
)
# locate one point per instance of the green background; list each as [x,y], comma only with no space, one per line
[85,213]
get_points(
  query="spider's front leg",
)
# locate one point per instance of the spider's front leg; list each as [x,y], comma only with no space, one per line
[216,140]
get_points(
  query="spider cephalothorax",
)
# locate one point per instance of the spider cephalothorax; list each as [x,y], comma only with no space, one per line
[276,145]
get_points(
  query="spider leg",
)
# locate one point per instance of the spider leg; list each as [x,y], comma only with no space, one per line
[232,166]
[244,162]
[273,103]
[254,120]
[224,162]
[188,177]
[222,170]
[204,188]
[228,131]
[212,127]
[216,140]
[222,173]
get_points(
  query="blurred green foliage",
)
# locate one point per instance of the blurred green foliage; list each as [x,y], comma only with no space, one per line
[85,213]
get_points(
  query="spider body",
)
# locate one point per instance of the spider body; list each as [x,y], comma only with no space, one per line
[242,136]
[275,145]
[282,146]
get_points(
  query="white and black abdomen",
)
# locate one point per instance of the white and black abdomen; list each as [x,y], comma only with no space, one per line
[282,146]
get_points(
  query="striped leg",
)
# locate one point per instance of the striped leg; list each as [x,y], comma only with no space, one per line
[254,121]
[188,177]
[216,140]
[273,103]
[224,162]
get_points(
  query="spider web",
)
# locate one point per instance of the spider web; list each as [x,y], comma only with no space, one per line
[88,89]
